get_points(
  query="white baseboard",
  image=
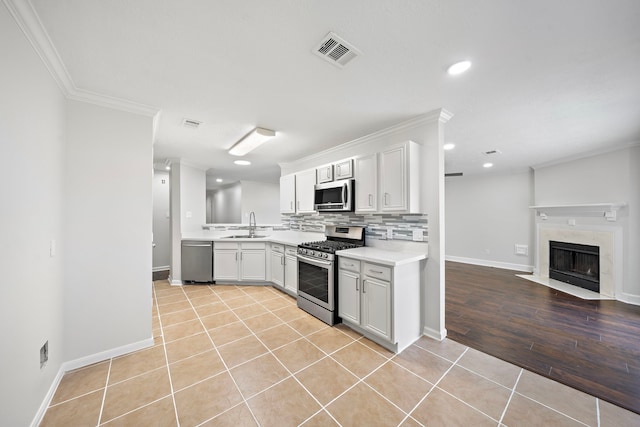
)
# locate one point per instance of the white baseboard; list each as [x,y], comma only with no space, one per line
[435,334]
[628,298]
[487,263]
[37,419]
[82,362]
[174,282]
[161,268]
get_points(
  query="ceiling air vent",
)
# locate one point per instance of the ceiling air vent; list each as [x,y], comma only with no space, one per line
[491,152]
[190,123]
[335,50]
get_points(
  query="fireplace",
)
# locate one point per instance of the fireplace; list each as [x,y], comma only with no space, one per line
[575,264]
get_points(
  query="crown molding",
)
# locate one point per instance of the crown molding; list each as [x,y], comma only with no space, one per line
[440,115]
[29,22]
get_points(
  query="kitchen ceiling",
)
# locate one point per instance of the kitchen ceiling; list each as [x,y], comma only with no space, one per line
[550,79]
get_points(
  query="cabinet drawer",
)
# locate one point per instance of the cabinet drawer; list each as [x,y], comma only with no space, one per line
[253,245]
[225,245]
[291,251]
[349,264]
[276,248]
[377,271]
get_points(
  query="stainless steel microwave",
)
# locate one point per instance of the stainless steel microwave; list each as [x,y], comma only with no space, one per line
[335,196]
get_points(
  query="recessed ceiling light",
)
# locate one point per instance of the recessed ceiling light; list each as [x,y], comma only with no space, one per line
[168,168]
[242,162]
[459,67]
[487,165]
[218,179]
[449,146]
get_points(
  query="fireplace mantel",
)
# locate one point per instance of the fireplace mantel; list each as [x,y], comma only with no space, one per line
[608,210]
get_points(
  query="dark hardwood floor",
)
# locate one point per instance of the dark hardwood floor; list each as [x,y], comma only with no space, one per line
[593,346]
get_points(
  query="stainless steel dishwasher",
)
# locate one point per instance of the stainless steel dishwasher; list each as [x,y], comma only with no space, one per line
[197,261]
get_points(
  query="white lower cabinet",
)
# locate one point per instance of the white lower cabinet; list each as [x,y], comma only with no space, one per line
[284,267]
[291,269]
[381,302]
[239,261]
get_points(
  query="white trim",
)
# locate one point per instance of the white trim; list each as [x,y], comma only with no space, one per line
[161,268]
[441,115]
[432,333]
[29,22]
[107,354]
[584,155]
[628,298]
[82,362]
[37,419]
[488,263]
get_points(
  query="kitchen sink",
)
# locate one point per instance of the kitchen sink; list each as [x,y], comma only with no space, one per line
[245,236]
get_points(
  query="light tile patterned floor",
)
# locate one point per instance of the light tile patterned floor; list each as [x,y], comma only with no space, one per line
[246,356]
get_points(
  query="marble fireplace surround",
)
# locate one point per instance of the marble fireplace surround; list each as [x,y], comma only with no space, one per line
[604,239]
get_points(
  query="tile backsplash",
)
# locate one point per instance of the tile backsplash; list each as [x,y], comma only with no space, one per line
[402,225]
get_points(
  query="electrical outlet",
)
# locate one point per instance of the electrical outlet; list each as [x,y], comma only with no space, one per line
[521,249]
[389,233]
[418,236]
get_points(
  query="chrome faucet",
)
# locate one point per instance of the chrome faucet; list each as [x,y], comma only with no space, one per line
[252,228]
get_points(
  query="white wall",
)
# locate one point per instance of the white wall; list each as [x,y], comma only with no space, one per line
[227,204]
[161,221]
[193,193]
[108,210]
[32,144]
[262,198]
[487,215]
[604,178]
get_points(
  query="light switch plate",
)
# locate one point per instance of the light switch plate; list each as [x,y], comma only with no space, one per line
[418,236]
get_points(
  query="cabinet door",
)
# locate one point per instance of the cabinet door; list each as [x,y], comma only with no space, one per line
[253,265]
[376,307]
[288,194]
[343,170]
[324,174]
[349,296]
[277,268]
[305,191]
[291,274]
[393,179]
[367,183]
[225,264]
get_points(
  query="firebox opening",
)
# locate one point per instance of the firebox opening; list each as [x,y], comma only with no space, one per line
[575,264]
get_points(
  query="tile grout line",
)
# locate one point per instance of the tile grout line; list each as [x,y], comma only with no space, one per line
[435,384]
[104,395]
[166,358]
[513,391]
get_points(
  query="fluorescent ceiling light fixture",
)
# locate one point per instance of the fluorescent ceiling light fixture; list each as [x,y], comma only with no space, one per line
[218,179]
[459,67]
[449,146]
[251,141]
[242,162]
[487,165]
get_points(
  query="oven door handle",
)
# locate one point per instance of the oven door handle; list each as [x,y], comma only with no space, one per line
[314,261]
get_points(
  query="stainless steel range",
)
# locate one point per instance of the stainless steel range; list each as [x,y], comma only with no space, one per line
[318,272]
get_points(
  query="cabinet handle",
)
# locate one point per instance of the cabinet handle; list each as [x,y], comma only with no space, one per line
[291,205]
[386,202]
[376,271]
[364,290]
[370,200]
[357,288]
[236,256]
[338,169]
[298,205]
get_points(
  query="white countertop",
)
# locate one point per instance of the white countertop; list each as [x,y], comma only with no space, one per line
[287,237]
[381,256]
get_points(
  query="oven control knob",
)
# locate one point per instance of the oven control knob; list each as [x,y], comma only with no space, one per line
[325,255]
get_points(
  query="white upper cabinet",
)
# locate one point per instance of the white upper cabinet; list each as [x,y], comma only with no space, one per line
[324,174]
[288,194]
[305,191]
[343,169]
[366,172]
[400,178]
